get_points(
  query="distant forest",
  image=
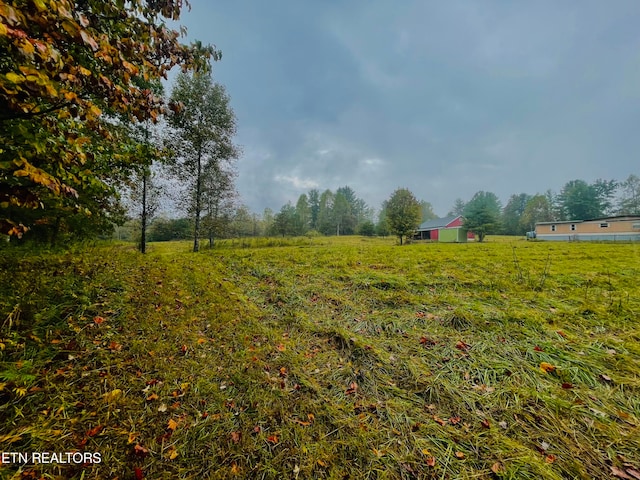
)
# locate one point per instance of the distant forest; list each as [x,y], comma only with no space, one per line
[343,212]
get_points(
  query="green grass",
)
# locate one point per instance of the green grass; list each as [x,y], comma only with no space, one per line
[324,358]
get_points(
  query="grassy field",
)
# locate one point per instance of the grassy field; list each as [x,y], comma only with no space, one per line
[324,358]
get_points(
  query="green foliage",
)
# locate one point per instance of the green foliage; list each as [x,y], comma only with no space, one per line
[580,201]
[482,214]
[403,213]
[201,141]
[512,214]
[629,201]
[538,209]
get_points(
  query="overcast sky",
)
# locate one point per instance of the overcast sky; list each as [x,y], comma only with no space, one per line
[442,97]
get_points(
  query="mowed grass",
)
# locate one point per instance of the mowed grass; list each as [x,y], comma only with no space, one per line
[325,358]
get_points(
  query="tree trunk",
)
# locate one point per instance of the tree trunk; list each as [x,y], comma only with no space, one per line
[196,229]
[143,216]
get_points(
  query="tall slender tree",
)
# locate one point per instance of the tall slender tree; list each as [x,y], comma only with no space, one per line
[200,135]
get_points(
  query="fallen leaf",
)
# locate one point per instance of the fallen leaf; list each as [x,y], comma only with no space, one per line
[137,473]
[235,470]
[485,423]
[497,468]
[272,439]
[98,320]
[454,420]
[172,424]
[202,340]
[113,395]
[546,367]
[280,347]
[439,420]
[95,431]
[562,334]
[152,397]
[431,461]
[378,453]
[567,386]
[235,437]
[140,451]
[462,346]
[604,377]
[616,472]
[162,407]
[538,349]
[459,455]
[321,463]
[550,458]
[353,388]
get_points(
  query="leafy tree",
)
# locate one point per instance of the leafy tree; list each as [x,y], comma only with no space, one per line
[201,135]
[166,229]
[367,228]
[314,205]
[458,207]
[341,212]
[629,201]
[219,196]
[326,223]
[382,226]
[538,209]
[403,213]
[66,69]
[580,201]
[482,214]
[512,214]
[303,215]
[285,220]
[427,211]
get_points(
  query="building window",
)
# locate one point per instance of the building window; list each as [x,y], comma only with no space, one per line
[636,226]
[553,228]
[604,225]
[573,227]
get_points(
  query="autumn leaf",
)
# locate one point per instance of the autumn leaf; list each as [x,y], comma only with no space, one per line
[550,458]
[462,346]
[546,367]
[567,386]
[459,455]
[538,349]
[152,397]
[172,424]
[94,431]
[353,388]
[98,320]
[137,473]
[235,436]
[113,395]
[485,423]
[280,347]
[140,451]
[439,420]
[497,468]
[272,439]
[431,461]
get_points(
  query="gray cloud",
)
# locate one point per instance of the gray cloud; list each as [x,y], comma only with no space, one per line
[445,98]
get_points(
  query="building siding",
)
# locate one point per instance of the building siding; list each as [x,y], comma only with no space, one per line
[617,229]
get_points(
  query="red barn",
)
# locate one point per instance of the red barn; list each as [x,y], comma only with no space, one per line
[447,229]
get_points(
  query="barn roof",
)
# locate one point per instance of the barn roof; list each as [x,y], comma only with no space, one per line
[437,223]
